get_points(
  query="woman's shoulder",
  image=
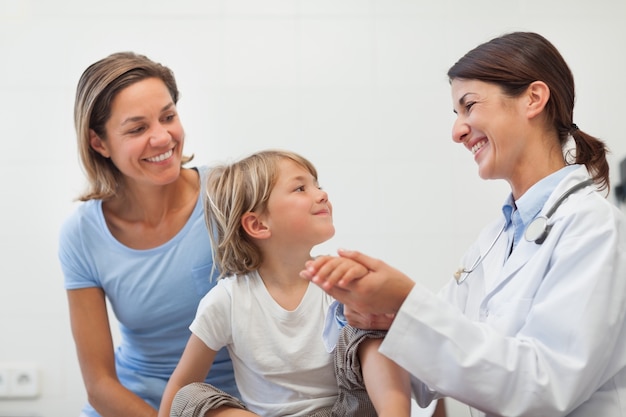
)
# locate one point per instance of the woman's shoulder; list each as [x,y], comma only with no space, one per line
[81,230]
[202,170]
[588,214]
[586,198]
[86,214]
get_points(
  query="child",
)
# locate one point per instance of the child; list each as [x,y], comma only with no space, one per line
[265,214]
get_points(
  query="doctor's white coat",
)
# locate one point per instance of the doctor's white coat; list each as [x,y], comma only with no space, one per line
[540,334]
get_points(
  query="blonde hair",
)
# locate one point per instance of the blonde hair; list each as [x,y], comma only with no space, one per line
[233,190]
[97,87]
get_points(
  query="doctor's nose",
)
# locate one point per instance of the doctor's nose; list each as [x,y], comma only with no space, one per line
[460,131]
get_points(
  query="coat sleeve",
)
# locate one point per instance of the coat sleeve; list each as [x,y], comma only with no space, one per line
[570,341]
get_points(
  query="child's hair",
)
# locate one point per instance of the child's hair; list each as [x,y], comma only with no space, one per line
[233,190]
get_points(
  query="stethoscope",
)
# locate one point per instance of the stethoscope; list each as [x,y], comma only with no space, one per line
[536,231]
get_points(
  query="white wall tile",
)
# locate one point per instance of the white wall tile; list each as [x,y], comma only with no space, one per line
[357,86]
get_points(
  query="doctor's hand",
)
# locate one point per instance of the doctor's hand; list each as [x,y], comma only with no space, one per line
[381,290]
[368,321]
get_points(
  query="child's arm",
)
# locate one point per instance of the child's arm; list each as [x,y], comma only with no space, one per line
[387,384]
[194,366]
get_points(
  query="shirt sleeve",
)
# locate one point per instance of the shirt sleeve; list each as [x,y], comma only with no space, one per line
[212,323]
[78,271]
[334,322]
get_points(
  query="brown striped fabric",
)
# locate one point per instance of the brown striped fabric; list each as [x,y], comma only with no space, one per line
[194,400]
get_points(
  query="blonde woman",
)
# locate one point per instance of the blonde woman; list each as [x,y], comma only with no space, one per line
[138,238]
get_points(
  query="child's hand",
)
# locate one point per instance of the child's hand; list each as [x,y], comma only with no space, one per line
[366,284]
[334,270]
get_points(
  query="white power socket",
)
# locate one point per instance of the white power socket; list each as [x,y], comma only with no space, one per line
[19,380]
[4,383]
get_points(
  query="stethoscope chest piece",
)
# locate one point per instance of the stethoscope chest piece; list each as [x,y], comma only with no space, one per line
[537,230]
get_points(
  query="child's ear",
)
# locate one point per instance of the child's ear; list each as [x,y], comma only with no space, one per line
[254,226]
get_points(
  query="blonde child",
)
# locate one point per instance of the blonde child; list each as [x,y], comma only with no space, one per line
[265,214]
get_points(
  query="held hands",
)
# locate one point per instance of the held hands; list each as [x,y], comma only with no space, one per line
[367,320]
[336,271]
[364,284]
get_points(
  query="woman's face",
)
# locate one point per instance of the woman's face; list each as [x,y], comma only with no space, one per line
[144,134]
[491,125]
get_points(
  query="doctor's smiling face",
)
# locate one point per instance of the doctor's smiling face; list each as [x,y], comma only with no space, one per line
[491,126]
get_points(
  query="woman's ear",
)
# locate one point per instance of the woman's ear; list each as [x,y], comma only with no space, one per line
[98,144]
[254,226]
[538,94]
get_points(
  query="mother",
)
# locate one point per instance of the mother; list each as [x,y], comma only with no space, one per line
[138,239]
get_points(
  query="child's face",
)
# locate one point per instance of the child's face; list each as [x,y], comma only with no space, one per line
[298,211]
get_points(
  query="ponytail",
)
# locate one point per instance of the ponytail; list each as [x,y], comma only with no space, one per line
[592,152]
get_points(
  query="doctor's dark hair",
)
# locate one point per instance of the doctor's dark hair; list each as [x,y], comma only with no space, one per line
[97,88]
[514,61]
[236,189]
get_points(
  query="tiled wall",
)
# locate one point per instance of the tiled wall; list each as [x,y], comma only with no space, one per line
[358,86]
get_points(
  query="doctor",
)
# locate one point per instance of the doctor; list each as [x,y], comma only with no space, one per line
[534,322]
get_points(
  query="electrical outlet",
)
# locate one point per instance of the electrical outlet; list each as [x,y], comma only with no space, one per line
[4,382]
[24,382]
[19,380]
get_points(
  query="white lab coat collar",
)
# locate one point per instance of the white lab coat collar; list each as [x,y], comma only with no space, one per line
[525,249]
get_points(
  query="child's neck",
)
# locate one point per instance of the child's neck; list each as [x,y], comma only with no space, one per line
[283,282]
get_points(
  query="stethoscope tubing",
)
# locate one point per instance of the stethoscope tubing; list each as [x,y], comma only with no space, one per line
[538,228]
[462,273]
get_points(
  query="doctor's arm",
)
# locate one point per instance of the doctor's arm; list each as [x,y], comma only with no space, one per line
[567,344]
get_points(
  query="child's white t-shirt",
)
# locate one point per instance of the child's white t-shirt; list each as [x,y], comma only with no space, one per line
[281,364]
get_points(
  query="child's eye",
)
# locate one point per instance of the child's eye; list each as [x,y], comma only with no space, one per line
[300,188]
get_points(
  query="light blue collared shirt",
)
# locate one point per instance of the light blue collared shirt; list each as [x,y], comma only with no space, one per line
[520,213]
